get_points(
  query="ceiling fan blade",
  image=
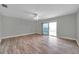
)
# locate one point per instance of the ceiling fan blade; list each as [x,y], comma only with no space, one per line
[32,13]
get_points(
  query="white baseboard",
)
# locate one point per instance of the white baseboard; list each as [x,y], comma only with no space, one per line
[16,35]
[72,39]
[68,38]
[77,42]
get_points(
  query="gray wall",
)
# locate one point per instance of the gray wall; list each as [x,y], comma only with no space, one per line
[39,27]
[14,26]
[0,26]
[66,25]
[78,27]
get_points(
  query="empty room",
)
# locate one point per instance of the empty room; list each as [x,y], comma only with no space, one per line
[39,28]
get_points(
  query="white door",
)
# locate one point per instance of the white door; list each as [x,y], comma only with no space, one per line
[53,28]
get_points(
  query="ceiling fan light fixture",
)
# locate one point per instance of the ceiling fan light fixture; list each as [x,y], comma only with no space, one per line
[36,17]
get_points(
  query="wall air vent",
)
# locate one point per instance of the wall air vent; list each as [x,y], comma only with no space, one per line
[4,5]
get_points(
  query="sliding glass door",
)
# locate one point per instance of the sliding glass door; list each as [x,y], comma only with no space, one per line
[50,28]
[46,28]
[53,28]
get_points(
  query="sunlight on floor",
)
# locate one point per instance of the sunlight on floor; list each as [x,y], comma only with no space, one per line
[53,40]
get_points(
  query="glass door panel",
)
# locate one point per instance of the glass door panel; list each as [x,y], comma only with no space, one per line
[46,28]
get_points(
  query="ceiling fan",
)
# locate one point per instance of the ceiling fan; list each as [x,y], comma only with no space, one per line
[33,14]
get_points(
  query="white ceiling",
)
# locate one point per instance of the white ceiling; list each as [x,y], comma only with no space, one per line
[43,11]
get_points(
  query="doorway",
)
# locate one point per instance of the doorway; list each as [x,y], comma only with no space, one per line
[50,28]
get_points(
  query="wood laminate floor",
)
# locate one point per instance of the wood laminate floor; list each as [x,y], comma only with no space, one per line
[38,44]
